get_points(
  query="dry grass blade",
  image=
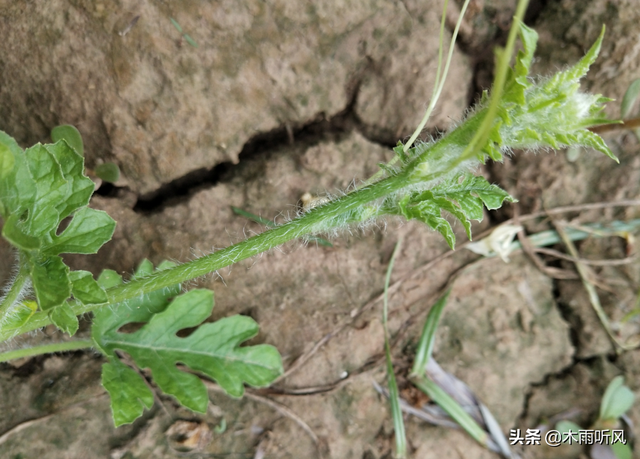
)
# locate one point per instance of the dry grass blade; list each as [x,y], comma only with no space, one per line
[394,397]
[586,275]
[577,208]
[465,398]
[457,390]
[633,123]
[437,418]
[557,254]
[530,250]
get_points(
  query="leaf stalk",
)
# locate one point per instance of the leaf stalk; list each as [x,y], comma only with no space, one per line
[15,291]
[45,349]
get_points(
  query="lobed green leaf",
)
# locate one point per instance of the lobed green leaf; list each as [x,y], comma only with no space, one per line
[17,188]
[51,189]
[6,161]
[80,188]
[128,392]
[462,196]
[63,317]
[39,188]
[213,349]
[50,277]
[85,289]
[88,231]
[13,232]
[141,309]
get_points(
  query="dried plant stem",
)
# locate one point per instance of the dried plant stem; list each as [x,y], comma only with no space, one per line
[586,275]
[276,406]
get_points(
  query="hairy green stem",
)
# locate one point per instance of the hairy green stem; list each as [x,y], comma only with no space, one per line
[436,159]
[313,221]
[15,290]
[45,349]
[319,219]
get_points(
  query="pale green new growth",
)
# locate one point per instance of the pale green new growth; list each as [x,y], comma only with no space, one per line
[553,112]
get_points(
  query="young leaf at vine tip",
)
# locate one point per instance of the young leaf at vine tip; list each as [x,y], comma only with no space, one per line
[213,350]
[69,134]
[517,80]
[552,113]
[44,185]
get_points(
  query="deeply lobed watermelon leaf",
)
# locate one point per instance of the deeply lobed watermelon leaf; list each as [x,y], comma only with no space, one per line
[39,188]
[213,349]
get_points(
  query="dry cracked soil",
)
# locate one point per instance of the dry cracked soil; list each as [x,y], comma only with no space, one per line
[261,102]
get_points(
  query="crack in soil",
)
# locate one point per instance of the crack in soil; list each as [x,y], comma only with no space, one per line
[260,146]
